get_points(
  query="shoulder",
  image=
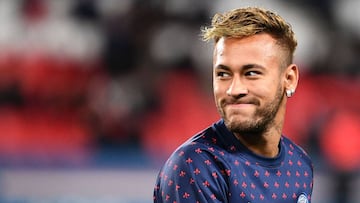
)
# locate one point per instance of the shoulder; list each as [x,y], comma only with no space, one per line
[195,151]
[193,169]
[199,152]
[293,148]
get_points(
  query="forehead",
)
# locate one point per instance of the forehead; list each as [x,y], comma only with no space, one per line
[260,48]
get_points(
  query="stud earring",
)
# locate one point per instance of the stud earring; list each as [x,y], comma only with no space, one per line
[290,93]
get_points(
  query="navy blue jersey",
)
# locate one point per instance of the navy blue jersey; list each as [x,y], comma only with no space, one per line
[213,166]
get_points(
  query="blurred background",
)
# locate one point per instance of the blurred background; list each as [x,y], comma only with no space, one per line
[95,95]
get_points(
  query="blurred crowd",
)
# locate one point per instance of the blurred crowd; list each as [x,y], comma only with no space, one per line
[83,81]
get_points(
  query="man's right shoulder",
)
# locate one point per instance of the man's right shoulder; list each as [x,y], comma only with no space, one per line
[199,147]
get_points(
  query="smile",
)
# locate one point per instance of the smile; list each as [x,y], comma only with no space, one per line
[240,105]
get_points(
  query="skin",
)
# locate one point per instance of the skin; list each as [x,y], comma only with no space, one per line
[249,81]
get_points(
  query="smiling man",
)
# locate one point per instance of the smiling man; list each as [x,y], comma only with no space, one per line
[244,157]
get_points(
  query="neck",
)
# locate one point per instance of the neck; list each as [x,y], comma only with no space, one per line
[264,144]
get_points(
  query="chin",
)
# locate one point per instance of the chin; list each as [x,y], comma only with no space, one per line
[240,125]
[234,123]
[238,119]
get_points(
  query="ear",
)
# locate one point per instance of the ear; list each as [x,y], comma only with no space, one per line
[291,77]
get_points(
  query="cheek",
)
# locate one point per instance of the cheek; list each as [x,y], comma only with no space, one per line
[217,93]
[265,93]
[271,93]
[266,88]
[218,89]
[215,88]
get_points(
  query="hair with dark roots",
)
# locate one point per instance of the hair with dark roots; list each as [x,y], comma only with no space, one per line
[245,22]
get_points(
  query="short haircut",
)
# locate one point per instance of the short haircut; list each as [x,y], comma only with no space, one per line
[245,22]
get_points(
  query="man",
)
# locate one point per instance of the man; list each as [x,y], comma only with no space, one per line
[244,157]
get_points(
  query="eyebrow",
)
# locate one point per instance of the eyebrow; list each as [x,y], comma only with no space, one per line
[244,67]
[221,66]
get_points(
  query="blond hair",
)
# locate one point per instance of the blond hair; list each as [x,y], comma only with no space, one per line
[244,22]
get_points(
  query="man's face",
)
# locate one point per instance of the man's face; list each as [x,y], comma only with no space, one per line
[247,81]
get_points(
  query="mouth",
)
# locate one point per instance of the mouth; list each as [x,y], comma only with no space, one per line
[242,106]
[240,103]
[239,107]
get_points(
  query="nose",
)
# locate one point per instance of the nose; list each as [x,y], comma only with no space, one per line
[237,88]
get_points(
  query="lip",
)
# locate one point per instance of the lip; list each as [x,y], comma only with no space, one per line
[239,105]
[240,102]
[243,103]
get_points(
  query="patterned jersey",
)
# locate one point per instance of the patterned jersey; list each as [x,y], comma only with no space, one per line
[213,166]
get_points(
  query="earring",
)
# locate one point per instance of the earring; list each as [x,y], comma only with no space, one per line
[290,93]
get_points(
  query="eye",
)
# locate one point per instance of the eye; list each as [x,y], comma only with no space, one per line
[222,74]
[252,73]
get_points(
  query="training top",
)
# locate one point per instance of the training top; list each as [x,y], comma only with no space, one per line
[213,166]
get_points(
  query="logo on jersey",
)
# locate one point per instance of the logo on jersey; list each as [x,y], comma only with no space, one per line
[302,198]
